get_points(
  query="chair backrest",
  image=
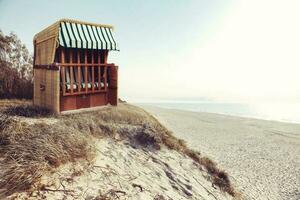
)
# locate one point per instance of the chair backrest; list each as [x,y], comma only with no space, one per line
[89,74]
[82,74]
[67,74]
[75,69]
[75,73]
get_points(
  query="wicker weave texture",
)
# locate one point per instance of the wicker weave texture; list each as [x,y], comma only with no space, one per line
[46,88]
[45,45]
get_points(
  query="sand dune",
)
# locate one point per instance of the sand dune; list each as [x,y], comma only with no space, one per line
[123,172]
[111,153]
[262,157]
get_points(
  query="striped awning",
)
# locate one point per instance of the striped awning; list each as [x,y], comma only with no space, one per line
[86,36]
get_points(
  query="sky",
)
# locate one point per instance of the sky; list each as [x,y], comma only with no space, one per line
[184,50]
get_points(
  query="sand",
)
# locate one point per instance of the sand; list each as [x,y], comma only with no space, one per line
[120,171]
[262,157]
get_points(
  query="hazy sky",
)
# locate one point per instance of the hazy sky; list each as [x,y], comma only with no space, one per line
[186,50]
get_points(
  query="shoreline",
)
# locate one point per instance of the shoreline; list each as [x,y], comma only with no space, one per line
[288,121]
[262,157]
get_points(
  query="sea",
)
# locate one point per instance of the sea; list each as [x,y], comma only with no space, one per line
[284,112]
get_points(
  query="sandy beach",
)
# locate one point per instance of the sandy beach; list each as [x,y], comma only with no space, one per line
[262,157]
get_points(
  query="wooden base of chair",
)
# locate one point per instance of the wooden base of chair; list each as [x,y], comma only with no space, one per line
[83,101]
[84,110]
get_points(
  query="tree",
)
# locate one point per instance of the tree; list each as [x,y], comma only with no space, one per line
[16,69]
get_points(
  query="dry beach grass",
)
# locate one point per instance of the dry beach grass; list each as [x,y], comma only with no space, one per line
[31,150]
[5,103]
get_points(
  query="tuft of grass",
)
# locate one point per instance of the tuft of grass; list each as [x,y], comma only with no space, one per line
[146,137]
[30,151]
[5,103]
[28,111]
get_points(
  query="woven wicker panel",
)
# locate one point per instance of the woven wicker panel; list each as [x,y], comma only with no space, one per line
[46,88]
[45,52]
[36,87]
[45,45]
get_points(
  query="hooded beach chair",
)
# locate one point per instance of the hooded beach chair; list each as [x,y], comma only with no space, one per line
[70,66]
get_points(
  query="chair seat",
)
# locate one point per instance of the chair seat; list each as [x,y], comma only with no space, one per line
[89,85]
[68,85]
[97,85]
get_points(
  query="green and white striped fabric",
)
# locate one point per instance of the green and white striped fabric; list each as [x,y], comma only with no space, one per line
[75,35]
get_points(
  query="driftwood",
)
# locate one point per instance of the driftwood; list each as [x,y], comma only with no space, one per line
[139,186]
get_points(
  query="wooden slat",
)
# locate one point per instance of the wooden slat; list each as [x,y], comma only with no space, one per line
[78,71]
[83,92]
[105,70]
[87,64]
[105,78]
[105,57]
[93,73]
[54,66]
[62,56]
[99,71]
[71,71]
[85,70]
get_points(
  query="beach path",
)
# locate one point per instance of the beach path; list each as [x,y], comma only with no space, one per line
[262,157]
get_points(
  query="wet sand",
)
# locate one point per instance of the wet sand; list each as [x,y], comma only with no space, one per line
[262,157]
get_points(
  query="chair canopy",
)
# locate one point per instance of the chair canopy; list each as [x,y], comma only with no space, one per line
[72,34]
[86,36]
